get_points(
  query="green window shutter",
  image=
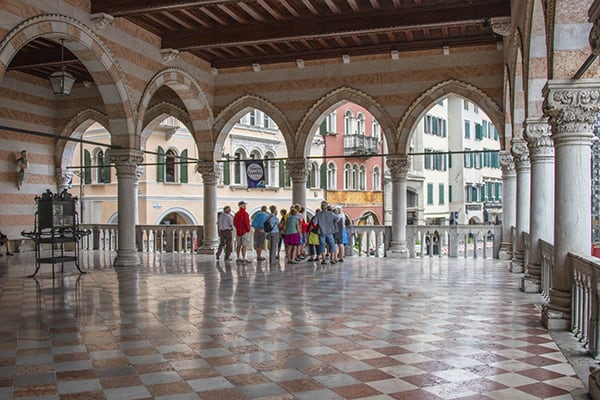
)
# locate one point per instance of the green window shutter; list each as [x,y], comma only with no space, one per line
[160,165]
[323,128]
[323,176]
[281,173]
[87,163]
[478,132]
[107,166]
[449,193]
[442,196]
[483,193]
[226,171]
[430,193]
[449,159]
[183,167]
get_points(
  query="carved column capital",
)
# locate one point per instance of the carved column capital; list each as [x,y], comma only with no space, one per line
[298,169]
[63,178]
[520,154]
[211,171]
[538,136]
[501,25]
[399,167]
[571,107]
[126,161]
[507,163]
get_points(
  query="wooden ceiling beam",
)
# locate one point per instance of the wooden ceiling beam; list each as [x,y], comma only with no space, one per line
[336,52]
[374,22]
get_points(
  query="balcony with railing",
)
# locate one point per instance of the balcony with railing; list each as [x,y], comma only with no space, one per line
[360,145]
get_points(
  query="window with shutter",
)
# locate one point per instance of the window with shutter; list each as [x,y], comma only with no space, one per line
[160,165]
[107,166]
[281,174]
[226,171]
[183,167]
[87,167]
[323,182]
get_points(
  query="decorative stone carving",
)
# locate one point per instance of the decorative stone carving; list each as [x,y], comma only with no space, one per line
[126,161]
[537,134]
[169,55]
[102,20]
[399,167]
[571,107]
[63,178]
[211,171]
[298,169]
[507,163]
[139,171]
[520,153]
[501,25]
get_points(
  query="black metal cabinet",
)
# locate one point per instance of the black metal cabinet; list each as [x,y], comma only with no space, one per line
[57,227]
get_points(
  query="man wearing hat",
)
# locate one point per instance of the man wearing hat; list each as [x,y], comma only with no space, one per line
[241,222]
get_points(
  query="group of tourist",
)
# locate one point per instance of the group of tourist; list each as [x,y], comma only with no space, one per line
[323,237]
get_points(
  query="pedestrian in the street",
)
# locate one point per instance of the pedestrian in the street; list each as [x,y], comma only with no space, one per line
[258,224]
[241,222]
[225,227]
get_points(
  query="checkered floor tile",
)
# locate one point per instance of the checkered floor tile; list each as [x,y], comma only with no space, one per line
[189,327]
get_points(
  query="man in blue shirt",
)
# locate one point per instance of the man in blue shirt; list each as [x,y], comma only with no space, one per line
[273,236]
[327,221]
[258,223]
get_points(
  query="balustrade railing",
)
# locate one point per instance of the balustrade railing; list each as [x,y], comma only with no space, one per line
[149,238]
[371,240]
[585,273]
[547,250]
[454,240]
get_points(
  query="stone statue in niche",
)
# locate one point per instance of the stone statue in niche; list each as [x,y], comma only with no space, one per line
[22,164]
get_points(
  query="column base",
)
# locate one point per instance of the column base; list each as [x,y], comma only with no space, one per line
[516,267]
[594,383]
[556,315]
[398,250]
[530,284]
[208,247]
[126,258]
[505,253]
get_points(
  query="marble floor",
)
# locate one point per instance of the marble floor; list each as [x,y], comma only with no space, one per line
[190,327]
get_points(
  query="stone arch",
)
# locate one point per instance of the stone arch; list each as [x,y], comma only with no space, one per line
[418,108]
[189,217]
[193,97]
[91,51]
[75,128]
[330,101]
[229,116]
[507,110]
[156,113]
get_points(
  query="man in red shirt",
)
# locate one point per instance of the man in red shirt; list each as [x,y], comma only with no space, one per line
[241,222]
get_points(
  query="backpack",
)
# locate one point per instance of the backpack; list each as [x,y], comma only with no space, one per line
[268,227]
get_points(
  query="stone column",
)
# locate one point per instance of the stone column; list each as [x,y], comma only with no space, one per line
[571,107]
[126,162]
[509,204]
[541,225]
[139,171]
[211,172]
[298,170]
[399,167]
[521,157]
[63,177]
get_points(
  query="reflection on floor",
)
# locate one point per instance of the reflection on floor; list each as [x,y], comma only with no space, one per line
[190,327]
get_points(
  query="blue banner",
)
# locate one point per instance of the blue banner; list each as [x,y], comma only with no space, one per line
[255,172]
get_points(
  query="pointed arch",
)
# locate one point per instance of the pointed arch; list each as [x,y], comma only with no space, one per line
[312,119]
[193,97]
[418,108]
[536,62]
[75,128]
[157,113]
[92,52]
[231,114]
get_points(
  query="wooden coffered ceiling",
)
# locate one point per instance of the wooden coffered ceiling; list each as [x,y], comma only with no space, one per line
[238,33]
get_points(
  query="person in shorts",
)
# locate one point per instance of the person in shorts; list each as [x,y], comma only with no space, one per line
[241,222]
